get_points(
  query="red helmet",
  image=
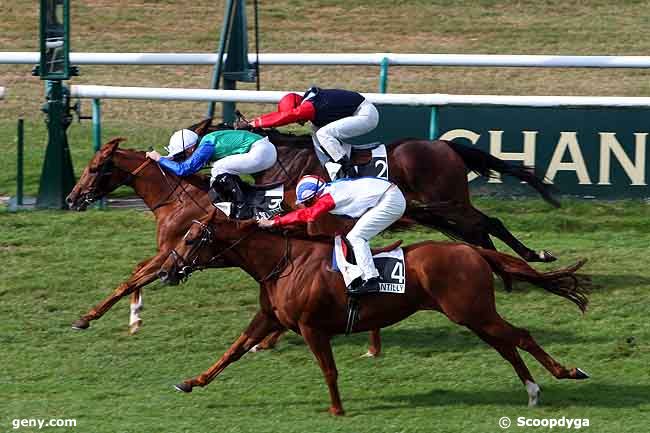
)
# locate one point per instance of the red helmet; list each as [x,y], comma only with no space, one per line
[289,102]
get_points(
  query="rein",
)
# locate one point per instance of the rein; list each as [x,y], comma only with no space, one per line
[206,236]
[172,189]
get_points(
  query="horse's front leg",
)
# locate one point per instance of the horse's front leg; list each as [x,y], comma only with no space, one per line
[320,345]
[145,273]
[137,305]
[261,326]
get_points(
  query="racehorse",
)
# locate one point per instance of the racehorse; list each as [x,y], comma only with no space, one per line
[300,292]
[428,172]
[433,173]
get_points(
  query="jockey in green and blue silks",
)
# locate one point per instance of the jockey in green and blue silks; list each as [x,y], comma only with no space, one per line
[233,152]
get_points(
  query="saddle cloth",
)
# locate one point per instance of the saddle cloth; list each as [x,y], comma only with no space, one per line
[390,265]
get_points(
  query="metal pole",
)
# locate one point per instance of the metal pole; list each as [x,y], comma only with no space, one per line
[229,107]
[225,31]
[433,124]
[19,167]
[97,124]
[383,75]
[97,136]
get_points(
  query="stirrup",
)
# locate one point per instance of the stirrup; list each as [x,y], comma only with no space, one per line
[353,314]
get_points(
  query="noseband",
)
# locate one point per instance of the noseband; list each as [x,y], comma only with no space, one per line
[106,169]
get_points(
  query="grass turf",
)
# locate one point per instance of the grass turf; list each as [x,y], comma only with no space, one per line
[434,376]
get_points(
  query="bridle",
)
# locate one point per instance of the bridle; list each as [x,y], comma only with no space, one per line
[106,169]
[188,264]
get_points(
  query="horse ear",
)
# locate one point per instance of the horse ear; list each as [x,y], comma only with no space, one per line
[202,127]
[113,144]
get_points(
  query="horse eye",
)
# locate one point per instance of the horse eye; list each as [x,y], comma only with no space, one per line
[189,241]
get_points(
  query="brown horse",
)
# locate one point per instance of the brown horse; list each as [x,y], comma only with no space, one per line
[299,291]
[433,173]
[176,202]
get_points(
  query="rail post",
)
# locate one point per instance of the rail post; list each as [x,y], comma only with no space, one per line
[383,75]
[433,124]
[19,162]
[97,136]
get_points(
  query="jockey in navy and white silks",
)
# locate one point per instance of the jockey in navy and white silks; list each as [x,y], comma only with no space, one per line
[377,203]
[336,115]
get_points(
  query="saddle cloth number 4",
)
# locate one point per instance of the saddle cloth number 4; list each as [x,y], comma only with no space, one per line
[391,268]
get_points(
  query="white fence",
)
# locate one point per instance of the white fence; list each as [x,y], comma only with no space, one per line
[437,99]
[389,59]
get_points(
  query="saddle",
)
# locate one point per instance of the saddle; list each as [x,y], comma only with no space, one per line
[389,261]
[260,201]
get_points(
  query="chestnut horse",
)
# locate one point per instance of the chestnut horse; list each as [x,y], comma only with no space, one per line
[175,202]
[433,173]
[299,291]
[429,172]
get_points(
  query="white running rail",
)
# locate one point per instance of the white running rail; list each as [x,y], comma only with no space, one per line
[436,99]
[391,59]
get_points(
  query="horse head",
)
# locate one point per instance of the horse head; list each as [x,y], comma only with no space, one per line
[204,245]
[98,178]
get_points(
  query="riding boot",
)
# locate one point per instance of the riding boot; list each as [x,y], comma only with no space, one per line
[368,286]
[347,168]
[228,185]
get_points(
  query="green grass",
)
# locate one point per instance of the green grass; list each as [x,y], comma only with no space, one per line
[434,376]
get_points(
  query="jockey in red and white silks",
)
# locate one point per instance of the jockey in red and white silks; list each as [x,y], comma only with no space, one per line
[377,203]
[335,114]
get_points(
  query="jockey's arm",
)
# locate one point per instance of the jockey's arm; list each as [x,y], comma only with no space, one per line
[191,165]
[302,113]
[324,204]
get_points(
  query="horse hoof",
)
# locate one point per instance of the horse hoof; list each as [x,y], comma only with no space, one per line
[337,411]
[581,374]
[546,256]
[370,354]
[135,327]
[80,325]
[534,393]
[183,387]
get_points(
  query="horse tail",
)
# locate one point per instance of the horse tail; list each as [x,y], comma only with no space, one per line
[562,282]
[483,163]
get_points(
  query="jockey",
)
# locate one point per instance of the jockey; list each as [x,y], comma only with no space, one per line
[377,203]
[335,114]
[234,152]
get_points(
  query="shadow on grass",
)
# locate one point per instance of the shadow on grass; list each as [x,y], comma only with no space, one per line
[619,281]
[591,394]
[596,395]
[442,340]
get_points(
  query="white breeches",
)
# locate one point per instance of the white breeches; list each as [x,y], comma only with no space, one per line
[389,209]
[262,155]
[331,137]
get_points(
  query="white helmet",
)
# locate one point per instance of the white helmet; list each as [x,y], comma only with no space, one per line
[180,141]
